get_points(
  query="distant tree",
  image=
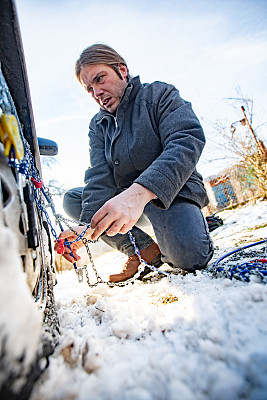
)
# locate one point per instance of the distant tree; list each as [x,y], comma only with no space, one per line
[48,162]
[240,139]
[55,188]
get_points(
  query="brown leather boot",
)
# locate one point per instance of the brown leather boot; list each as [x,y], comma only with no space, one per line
[150,254]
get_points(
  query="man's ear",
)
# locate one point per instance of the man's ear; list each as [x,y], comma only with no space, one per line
[123,70]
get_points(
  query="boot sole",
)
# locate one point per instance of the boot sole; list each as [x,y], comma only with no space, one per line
[155,263]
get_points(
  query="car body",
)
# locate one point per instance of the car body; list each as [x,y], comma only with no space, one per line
[20,213]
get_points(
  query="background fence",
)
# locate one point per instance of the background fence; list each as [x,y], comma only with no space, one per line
[232,186]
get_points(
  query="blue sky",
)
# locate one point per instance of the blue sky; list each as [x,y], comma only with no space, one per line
[205,48]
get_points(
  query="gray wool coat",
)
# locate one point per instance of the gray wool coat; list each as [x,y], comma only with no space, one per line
[155,139]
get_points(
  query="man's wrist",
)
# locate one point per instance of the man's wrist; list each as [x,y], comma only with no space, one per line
[143,192]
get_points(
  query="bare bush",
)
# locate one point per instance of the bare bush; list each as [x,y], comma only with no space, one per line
[241,140]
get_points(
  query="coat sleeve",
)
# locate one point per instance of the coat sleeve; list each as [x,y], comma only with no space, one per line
[182,140]
[100,185]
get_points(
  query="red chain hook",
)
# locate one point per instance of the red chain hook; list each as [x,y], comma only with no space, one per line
[37,184]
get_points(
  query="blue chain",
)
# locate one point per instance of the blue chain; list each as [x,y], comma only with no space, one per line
[245,270]
[40,206]
[142,261]
[27,168]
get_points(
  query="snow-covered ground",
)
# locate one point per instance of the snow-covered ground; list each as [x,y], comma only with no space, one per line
[20,321]
[194,338]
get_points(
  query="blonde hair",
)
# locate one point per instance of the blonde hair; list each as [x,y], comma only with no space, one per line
[100,54]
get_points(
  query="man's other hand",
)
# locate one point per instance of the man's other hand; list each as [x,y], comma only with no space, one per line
[74,247]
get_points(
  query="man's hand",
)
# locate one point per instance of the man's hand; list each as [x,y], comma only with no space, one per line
[120,214]
[70,236]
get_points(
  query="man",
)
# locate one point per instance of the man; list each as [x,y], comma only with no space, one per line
[145,143]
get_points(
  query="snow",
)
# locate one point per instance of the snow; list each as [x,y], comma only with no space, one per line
[20,326]
[195,337]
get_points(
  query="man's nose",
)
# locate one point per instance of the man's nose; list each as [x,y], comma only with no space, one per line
[97,91]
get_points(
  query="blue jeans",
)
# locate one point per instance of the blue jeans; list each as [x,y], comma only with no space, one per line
[181,232]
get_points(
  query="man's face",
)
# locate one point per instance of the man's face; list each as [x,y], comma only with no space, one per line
[105,86]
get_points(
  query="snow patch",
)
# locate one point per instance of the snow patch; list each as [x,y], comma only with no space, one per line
[20,321]
[194,338]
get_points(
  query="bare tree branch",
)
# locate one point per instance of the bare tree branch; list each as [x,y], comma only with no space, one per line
[241,140]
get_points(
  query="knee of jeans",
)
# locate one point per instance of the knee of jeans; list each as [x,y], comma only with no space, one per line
[67,200]
[191,256]
[72,204]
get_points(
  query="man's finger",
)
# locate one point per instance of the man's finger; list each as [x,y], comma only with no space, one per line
[116,227]
[68,234]
[105,224]
[70,258]
[98,216]
[125,228]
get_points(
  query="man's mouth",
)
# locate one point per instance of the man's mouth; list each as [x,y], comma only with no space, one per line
[106,101]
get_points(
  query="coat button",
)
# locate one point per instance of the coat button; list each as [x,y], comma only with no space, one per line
[116,162]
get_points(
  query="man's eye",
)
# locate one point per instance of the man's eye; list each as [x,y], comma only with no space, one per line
[89,90]
[99,78]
